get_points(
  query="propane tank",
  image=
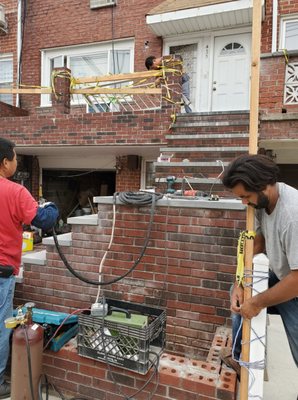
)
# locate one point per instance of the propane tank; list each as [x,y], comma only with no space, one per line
[26,364]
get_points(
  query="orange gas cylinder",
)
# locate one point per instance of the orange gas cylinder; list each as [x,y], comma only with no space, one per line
[26,364]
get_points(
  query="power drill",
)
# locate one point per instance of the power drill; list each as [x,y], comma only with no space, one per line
[170,181]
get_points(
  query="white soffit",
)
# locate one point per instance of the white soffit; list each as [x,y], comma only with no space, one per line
[216,16]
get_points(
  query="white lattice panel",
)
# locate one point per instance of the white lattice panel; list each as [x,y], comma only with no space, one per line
[291,84]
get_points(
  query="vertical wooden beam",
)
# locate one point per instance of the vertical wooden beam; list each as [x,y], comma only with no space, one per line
[253,146]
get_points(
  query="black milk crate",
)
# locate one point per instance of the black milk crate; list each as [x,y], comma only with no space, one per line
[120,344]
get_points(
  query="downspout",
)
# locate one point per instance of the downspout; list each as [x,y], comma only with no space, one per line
[274,25]
[19,48]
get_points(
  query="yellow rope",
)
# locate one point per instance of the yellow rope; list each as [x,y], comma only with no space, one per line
[241,253]
[61,74]
[286,55]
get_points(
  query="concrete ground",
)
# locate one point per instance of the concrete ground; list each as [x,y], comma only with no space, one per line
[282,372]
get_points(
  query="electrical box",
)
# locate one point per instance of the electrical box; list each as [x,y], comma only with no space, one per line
[101,3]
[133,162]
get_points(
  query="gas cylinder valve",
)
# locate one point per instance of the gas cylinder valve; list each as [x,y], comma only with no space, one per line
[20,318]
[13,322]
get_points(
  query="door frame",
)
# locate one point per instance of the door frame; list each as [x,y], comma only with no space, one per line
[205,41]
[213,69]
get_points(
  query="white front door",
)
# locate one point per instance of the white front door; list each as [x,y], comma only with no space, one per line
[231,72]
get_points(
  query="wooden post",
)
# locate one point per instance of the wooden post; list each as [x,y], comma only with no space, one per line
[253,146]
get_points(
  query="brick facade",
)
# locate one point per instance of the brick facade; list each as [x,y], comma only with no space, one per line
[272,74]
[190,261]
[73,22]
[187,269]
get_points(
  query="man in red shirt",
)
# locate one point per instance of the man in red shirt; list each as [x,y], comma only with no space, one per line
[17,206]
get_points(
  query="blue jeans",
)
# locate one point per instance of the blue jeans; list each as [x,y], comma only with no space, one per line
[289,315]
[7,286]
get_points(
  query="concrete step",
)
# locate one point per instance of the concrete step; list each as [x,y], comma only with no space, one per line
[211,136]
[214,115]
[213,149]
[194,180]
[186,164]
[188,124]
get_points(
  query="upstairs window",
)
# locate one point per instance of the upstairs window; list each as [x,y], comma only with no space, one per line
[87,60]
[289,33]
[6,77]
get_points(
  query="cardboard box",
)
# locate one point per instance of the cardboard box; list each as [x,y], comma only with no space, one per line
[27,241]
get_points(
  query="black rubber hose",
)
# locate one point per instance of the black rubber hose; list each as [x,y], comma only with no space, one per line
[133,198]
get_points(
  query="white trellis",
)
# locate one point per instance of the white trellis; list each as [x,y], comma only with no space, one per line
[291,84]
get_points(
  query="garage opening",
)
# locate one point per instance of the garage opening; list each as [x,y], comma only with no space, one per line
[73,190]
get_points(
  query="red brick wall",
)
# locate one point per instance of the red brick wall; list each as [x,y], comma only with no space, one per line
[272,84]
[285,7]
[8,42]
[126,129]
[188,268]
[72,22]
[272,77]
[127,179]
[179,378]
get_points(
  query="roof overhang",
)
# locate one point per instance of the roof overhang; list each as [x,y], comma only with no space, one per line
[209,17]
[285,150]
[85,157]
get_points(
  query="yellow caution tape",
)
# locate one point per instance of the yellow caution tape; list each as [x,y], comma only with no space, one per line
[240,254]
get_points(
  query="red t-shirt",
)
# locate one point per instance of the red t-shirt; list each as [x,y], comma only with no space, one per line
[17,206]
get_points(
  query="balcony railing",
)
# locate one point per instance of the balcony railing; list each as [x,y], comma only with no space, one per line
[111,93]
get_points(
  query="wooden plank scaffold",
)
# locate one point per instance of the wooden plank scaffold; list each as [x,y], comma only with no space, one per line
[253,146]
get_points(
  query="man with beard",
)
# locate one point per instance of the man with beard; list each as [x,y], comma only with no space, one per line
[253,179]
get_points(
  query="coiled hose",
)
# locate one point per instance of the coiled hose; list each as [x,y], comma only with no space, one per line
[132,198]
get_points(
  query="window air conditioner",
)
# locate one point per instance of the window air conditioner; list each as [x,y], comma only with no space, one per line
[101,3]
[3,22]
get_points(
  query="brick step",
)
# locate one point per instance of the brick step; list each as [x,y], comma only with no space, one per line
[189,164]
[210,121]
[213,136]
[209,130]
[207,174]
[193,180]
[218,116]
[208,142]
[205,157]
[206,149]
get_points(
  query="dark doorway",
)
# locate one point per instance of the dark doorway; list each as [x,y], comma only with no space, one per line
[289,174]
[73,190]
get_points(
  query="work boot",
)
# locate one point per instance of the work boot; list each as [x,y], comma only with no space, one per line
[4,390]
[225,355]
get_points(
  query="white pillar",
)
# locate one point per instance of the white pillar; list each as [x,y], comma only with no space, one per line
[258,329]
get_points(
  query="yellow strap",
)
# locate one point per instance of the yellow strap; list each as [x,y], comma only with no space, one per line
[240,254]
[286,55]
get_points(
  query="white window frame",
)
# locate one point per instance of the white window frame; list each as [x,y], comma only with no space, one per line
[144,172]
[87,49]
[283,22]
[7,57]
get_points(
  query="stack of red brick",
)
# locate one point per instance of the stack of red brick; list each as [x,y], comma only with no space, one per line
[179,378]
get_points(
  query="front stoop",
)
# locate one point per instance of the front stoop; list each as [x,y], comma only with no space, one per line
[180,378]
